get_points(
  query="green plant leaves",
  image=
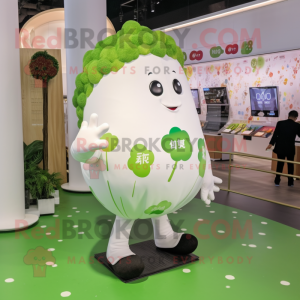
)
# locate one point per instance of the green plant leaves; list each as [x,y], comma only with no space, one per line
[159,208]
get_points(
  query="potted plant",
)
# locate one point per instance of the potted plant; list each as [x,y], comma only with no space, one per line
[39,183]
[42,186]
[33,155]
[45,194]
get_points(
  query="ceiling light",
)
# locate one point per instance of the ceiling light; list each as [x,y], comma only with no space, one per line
[224,14]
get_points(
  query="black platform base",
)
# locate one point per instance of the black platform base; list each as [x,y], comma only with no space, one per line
[155,260]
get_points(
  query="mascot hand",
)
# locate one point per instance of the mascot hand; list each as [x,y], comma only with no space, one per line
[208,187]
[88,138]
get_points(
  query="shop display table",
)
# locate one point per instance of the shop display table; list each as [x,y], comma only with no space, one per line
[223,142]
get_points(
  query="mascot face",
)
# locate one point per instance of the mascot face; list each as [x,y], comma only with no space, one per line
[153,165]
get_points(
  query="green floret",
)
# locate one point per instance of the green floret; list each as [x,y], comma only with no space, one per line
[126,50]
[147,29]
[148,38]
[87,57]
[109,53]
[159,49]
[81,100]
[79,84]
[109,41]
[88,88]
[74,101]
[79,112]
[96,54]
[84,78]
[113,52]
[144,49]
[94,75]
[131,27]
[117,65]
[104,66]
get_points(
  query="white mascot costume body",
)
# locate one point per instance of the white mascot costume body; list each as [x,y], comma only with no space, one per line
[149,158]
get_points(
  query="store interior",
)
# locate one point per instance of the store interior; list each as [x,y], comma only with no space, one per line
[235,69]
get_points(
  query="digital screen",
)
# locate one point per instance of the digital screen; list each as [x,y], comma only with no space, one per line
[264,101]
[216,95]
[195,95]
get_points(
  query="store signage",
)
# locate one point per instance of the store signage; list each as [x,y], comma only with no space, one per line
[196,55]
[232,49]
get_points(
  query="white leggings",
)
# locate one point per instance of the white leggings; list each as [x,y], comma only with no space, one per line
[118,246]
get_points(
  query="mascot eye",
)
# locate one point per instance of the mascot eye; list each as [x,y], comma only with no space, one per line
[156,88]
[177,86]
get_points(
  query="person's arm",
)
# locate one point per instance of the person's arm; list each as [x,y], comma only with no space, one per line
[274,137]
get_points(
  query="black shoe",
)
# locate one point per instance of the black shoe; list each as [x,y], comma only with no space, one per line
[187,245]
[291,184]
[277,184]
[128,267]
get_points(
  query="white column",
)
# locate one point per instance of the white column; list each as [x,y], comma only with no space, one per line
[80,14]
[12,200]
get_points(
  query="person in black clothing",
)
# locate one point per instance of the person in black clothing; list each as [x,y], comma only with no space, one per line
[284,140]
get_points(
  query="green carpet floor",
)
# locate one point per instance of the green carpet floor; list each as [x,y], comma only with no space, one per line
[264,267]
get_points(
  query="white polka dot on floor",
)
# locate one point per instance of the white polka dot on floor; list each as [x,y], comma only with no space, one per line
[87,212]
[186,271]
[212,211]
[175,212]
[48,233]
[43,226]
[264,223]
[261,233]
[49,263]
[60,240]
[284,282]
[74,207]
[81,232]
[75,226]
[55,216]
[109,220]
[227,287]
[229,277]
[297,234]
[244,244]
[69,216]
[234,217]
[234,212]
[221,231]
[200,219]
[252,246]
[250,215]
[8,280]
[78,211]
[183,229]
[54,266]
[269,247]
[65,294]
[51,249]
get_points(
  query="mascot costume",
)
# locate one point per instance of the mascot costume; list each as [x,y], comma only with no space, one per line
[149,158]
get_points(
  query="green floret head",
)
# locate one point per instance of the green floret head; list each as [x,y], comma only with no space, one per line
[113,52]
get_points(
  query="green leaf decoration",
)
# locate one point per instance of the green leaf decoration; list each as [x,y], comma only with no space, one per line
[159,208]
[177,144]
[140,160]
[202,157]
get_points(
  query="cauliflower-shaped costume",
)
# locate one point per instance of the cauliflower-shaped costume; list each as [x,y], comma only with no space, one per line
[155,154]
